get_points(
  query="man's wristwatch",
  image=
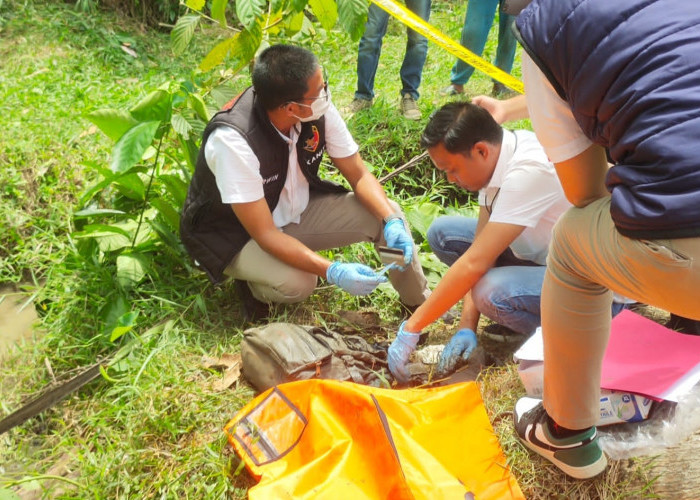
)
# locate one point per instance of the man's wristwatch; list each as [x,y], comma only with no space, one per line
[390,217]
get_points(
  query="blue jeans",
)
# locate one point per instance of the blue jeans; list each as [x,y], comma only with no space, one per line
[371,47]
[509,293]
[475,32]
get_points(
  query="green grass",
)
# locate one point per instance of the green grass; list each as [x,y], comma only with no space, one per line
[153,429]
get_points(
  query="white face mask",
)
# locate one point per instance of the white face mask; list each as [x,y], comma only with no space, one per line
[318,107]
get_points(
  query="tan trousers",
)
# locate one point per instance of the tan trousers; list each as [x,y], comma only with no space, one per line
[329,221]
[588,257]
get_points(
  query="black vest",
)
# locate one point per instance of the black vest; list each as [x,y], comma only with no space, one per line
[210,231]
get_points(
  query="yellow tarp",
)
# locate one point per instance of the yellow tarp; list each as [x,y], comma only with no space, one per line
[318,439]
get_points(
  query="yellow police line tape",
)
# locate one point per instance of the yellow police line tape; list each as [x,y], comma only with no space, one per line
[414,22]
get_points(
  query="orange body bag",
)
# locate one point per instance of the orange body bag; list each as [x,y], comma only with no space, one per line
[316,439]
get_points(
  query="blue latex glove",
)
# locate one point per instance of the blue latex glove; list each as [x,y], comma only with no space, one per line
[397,236]
[399,352]
[356,279]
[459,347]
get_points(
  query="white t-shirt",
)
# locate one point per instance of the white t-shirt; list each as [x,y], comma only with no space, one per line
[551,117]
[237,169]
[524,190]
[554,123]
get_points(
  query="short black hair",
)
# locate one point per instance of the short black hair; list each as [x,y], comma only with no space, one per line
[281,73]
[460,125]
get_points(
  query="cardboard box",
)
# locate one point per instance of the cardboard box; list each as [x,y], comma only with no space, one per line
[615,406]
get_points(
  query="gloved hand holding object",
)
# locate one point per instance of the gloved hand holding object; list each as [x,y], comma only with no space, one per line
[459,347]
[356,279]
[399,351]
[397,236]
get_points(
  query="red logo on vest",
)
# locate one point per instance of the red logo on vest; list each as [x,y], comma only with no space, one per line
[312,142]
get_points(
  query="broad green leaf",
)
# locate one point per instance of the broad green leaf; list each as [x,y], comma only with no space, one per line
[131,186]
[197,103]
[145,239]
[245,47]
[241,47]
[218,11]
[189,151]
[125,324]
[107,175]
[195,4]
[114,123]
[131,268]
[298,5]
[420,217]
[97,230]
[90,212]
[175,186]
[6,494]
[182,33]
[171,215]
[274,23]
[156,106]
[222,95]
[197,126]
[217,55]
[120,235]
[131,147]
[325,11]
[180,125]
[277,5]
[353,16]
[248,11]
[115,307]
[108,238]
[295,22]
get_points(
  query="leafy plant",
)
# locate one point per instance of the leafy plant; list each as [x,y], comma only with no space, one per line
[131,215]
[255,21]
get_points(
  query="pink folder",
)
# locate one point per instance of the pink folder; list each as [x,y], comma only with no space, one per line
[646,358]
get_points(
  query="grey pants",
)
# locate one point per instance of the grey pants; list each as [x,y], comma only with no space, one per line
[329,221]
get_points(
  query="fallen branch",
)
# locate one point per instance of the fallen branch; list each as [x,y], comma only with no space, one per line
[410,163]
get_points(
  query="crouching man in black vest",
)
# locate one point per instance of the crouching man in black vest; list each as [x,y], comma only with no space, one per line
[256,209]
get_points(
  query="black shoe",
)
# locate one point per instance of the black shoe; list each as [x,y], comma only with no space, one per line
[683,325]
[253,309]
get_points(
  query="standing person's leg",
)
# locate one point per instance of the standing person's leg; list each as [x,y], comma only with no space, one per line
[505,53]
[369,50]
[587,258]
[337,220]
[475,32]
[510,296]
[416,50]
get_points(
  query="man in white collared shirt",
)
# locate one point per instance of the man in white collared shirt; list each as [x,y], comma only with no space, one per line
[257,209]
[497,262]
[520,200]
